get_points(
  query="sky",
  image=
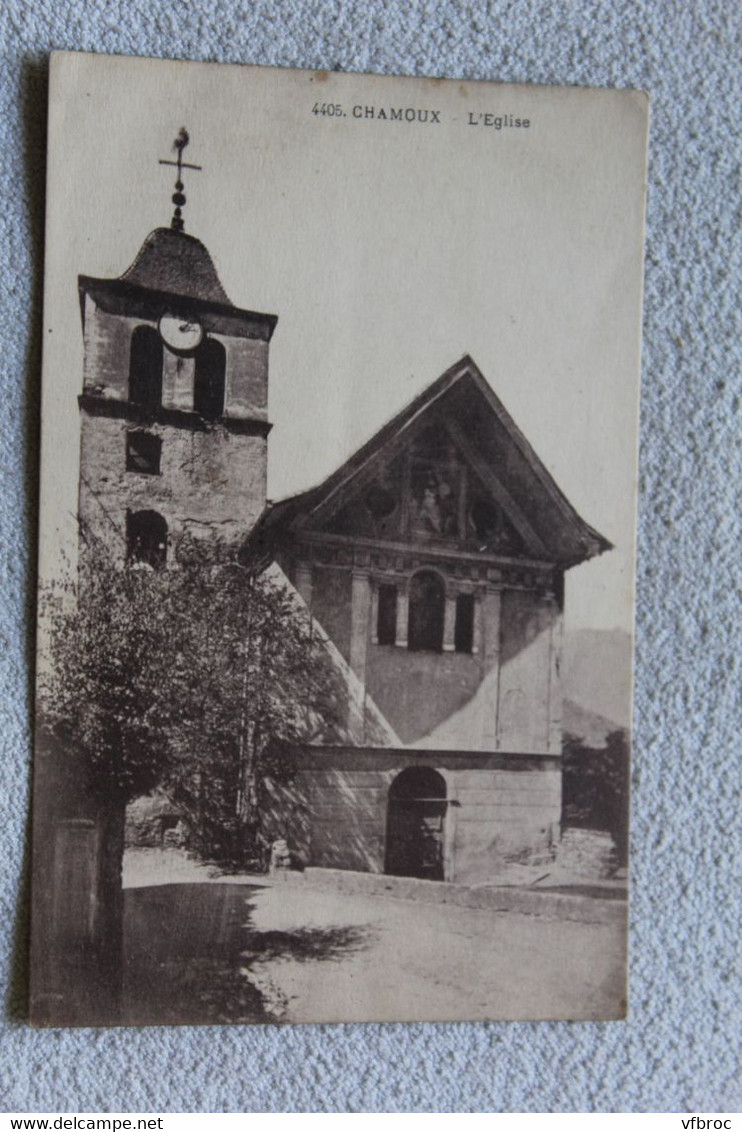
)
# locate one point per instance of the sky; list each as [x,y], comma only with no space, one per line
[387,248]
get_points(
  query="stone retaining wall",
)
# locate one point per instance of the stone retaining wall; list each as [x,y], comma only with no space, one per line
[524,901]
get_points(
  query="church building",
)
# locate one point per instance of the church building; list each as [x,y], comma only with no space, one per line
[432,563]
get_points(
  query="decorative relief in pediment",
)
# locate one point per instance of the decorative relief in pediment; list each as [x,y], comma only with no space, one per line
[376,509]
[429,494]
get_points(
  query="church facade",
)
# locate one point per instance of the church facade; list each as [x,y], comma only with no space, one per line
[432,563]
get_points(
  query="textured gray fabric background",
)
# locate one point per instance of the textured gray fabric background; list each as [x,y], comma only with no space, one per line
[680,1050]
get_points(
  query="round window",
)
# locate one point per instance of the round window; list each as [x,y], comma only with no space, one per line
[380,502]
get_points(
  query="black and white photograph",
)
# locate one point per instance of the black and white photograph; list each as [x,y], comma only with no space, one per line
[336,554]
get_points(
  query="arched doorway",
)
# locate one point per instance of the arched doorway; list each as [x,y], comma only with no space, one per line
[415,824]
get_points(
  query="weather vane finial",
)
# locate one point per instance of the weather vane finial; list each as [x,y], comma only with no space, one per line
[178,197]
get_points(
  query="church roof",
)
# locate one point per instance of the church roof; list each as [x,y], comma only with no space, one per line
[179,264]
[488,437]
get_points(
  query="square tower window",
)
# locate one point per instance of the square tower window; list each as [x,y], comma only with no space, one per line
[143,453]
[386,626]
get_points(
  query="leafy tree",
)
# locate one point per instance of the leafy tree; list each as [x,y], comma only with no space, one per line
[201,678]
[595,787]
[256,684]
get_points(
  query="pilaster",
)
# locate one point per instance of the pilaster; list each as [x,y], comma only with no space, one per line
[477,635]
[449,621]
[403,612]
[556,691]
[359,614]
[491,608]
[374,613]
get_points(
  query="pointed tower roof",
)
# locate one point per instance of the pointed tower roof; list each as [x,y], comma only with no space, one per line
[174,274]
[178,264]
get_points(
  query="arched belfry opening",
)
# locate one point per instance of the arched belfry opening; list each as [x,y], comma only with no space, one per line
[145,369]
[415,825]
[427,609]
[209,382]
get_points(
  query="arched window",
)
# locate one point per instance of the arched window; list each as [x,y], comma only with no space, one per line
[427,606]
[208,389]
[146,539]
[145,369]
[464,625]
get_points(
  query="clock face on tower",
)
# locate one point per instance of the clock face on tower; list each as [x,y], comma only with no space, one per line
[180,334]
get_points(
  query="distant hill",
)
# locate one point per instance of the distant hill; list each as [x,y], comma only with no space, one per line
[596,682]
[592,729]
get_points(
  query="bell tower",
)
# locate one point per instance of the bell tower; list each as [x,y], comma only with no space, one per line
[174,405]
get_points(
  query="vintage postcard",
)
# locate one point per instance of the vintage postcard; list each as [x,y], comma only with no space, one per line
[339,441]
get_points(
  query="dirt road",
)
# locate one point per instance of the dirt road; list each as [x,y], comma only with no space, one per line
[236,949]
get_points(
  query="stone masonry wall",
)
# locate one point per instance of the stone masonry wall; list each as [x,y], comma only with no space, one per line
[210,482]
[503,817]
[336,817]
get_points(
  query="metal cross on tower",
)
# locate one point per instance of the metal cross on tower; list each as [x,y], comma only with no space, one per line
[178,197]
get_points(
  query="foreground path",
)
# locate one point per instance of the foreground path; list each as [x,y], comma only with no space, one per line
[229,949]
[183,947]
[423,962]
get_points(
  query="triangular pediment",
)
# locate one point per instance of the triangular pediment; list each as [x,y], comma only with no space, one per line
[453,470]
[424,490]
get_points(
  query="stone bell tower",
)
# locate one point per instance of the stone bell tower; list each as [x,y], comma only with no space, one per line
[174,405]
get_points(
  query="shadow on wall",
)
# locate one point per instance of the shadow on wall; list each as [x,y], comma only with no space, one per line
[449,699]
[284,816]
[332,818]
[375,821]
[188,950]
[348,816]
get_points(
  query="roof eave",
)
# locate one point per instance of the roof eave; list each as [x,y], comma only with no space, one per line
[120,288]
